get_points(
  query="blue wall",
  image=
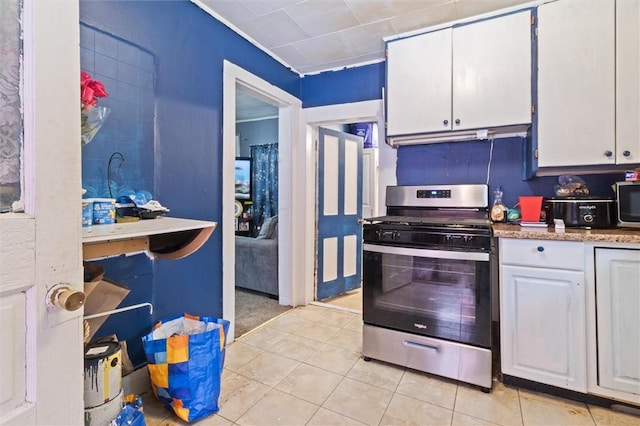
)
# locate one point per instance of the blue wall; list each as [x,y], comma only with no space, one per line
[256,133]
[467,162]
[188,47]
[348,85]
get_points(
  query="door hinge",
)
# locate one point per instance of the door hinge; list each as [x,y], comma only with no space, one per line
[533,109]
[533,20]
[536,31]
[535,153]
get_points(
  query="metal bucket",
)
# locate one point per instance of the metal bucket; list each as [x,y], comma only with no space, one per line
[102,373]
[104,414]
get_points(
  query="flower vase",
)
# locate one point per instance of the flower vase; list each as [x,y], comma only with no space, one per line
[92,119]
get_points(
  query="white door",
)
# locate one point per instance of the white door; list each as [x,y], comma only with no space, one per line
[492,72]
[339,237]
[618,309]
[419,84]
[627,82]
[576,83]
[41,379]
[543,326]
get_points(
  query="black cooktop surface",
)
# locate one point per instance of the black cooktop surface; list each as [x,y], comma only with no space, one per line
[431,221]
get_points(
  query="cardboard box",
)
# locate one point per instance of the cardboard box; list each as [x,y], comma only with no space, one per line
[101,296]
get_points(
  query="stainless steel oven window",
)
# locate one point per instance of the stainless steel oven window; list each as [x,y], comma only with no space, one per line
[436,293]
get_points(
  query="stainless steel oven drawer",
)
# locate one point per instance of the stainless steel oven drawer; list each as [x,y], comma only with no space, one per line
[457,361]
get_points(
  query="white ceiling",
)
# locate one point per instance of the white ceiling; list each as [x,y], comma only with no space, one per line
[250,108]
[318,35]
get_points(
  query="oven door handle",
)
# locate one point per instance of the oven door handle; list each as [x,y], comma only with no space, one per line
[437,254]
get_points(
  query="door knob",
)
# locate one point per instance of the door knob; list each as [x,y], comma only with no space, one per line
[62,296]
[626,153]
[608,153]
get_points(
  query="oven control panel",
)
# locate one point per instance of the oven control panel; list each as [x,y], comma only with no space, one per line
[433,193]
[438,196]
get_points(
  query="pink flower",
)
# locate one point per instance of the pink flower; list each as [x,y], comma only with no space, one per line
[90,91]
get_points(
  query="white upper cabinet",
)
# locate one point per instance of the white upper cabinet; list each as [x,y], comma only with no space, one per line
[419,84]
[588,87]
[472,76]
[627,81]
[492,72]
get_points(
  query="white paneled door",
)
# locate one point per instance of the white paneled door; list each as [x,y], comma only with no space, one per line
[618,319]
[339,208]
[41,378]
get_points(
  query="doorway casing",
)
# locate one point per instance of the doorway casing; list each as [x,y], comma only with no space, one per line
[290,186]
[355,112]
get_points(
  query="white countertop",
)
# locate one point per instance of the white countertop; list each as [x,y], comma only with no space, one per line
[142,228]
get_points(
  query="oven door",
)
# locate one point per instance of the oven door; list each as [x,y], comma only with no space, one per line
[435,293]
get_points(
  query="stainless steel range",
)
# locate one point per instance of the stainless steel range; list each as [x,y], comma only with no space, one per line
[427,282]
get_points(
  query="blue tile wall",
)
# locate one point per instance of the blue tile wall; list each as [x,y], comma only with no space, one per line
[127,73]
[467,162]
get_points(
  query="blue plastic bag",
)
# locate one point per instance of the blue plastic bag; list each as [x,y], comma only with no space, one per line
[185,356]
[132,413]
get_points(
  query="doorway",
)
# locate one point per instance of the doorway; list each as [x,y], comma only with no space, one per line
[289,109]
[335,116]
[256,186]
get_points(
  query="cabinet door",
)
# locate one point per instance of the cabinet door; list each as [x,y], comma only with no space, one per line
[576,83]
[492,72]
[542,324]
[618,321]
[419,84]
[627,82]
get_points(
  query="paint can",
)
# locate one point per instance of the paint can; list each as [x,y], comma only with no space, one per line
[102,373]
[104,414]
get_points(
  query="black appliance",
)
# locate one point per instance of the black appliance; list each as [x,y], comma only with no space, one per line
[586,211]
[628,196]
[427,282]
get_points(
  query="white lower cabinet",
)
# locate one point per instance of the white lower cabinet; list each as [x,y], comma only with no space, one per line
[542,312]
[617,324]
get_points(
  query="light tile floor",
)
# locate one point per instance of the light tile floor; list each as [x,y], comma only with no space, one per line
[305,368]
[351,300]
